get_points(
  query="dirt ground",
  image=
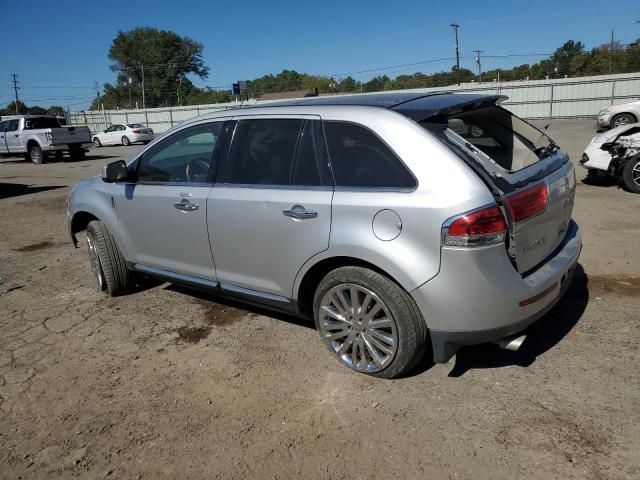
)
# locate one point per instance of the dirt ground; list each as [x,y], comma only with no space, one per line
[170,383]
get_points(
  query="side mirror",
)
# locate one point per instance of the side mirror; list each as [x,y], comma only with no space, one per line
[114,172]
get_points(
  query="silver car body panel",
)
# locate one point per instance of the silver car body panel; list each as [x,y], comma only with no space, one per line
[261,253]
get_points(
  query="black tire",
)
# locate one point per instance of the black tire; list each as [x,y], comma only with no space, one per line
[411,327]
[631,174]
[78,155]
[622,119]
[96,143]
[116,275]
[36,155]
[58,156]
[125,141]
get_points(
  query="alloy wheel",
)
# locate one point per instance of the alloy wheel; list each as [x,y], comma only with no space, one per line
[95,262]
[621,121]
[358,327]
[635,173]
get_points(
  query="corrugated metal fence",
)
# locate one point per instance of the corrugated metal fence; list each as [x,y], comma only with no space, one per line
[532,99]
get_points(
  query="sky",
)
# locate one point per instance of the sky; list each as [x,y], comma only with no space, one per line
[58,62]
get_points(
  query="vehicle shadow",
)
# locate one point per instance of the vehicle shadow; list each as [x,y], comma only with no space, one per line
[219,300]
[8,190]
[600,181]
[541,336]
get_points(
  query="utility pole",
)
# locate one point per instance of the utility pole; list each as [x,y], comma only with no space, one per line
[611,54]
[144,98]
[15,89]
[479,65]
[455,27]
[95,85]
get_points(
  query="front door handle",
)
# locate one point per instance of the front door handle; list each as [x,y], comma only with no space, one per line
[186,206]
[299,212]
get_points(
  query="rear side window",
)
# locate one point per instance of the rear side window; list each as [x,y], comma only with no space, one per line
[360,159]
[262,151]
[36,123]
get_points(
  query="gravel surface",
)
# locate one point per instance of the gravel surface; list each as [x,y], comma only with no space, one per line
[166,382]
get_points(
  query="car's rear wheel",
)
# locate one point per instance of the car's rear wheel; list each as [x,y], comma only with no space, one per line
[369,322]
[631,175]
[96,142]
[125,141]
[107,262]
[36,155]
[622,119]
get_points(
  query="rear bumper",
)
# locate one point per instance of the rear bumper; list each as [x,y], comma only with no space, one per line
[475,298]
[68,146]
[142,137]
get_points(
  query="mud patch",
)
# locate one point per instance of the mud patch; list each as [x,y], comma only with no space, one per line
[193,334]
[55,204]
[622,285]
[35,246]
[220,315]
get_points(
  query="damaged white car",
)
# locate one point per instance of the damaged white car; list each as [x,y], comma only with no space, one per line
[615,152]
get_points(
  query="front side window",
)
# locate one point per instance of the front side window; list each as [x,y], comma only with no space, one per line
[262,152]
[360,159]
[185,156]
[12,125]
[110,129]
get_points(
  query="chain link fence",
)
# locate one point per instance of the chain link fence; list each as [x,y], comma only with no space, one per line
[530,99]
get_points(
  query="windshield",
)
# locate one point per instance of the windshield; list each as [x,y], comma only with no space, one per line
[135,125]
[509,141]
[36,123]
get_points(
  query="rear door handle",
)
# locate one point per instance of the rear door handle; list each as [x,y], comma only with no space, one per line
[299,212]
[186,206]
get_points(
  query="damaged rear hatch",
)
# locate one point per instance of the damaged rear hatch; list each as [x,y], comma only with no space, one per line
[530,177]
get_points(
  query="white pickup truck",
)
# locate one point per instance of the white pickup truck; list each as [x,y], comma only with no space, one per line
[37,136]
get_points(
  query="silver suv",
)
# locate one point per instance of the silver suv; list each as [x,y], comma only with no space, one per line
[397,234]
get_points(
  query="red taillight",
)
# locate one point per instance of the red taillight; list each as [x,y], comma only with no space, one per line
[135,131]
[481,227]
[527,203]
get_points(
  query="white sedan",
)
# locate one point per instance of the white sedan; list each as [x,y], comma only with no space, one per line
[619,115]
[120,134]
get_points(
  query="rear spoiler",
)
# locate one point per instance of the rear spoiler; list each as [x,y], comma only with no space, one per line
[434,113]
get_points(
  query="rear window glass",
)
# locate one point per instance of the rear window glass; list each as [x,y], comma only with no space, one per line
[41,122]
[509,141]
[360,159]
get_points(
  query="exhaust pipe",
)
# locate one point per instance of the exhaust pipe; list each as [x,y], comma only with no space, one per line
[511,343]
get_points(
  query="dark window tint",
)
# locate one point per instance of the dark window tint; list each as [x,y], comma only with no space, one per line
[3,126]
[360,159]
[262,152]
[185,156]
[41,122]
[310,166]
[12,125]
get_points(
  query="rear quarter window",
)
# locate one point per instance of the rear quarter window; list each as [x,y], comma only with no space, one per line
[361,159]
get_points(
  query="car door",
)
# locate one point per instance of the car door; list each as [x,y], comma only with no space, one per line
[270,209]
[12,136]
[106,136]
[162,215]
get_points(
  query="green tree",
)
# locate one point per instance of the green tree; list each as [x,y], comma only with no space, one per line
[166,58]
[56,110]
[10,109]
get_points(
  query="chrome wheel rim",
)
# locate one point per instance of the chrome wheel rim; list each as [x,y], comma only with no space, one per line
[358,327]
[621,121]
[95,261]
[476,131]
[635,174]
[35,155]
[125,141]
[96,143]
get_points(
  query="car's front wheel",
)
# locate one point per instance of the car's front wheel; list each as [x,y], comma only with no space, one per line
[125,141]
[631,174]
[107,262]
[369,322]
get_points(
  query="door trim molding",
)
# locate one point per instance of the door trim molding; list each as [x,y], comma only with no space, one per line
[175,277]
